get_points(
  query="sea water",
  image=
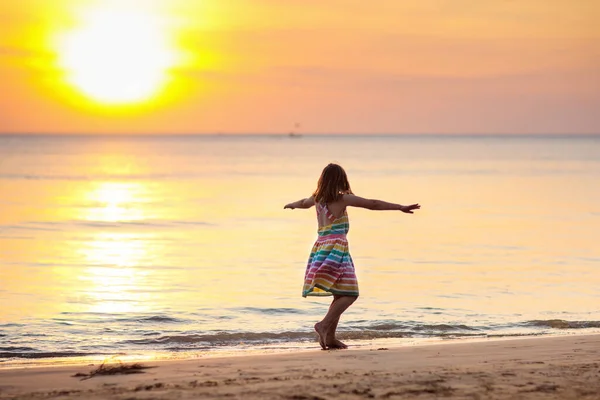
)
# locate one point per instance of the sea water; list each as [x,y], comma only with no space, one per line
[168,246]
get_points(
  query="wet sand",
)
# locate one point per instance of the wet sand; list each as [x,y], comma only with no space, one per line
[566,367]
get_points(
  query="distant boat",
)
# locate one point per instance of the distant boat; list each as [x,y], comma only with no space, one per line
[293,133]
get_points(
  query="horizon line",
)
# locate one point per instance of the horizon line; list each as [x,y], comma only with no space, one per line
[294,134]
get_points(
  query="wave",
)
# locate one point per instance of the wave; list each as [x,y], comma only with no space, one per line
[562,324]
[99,318]
[445,328]
[173,341]
[271,311]
[13,352]
[64,225]
[195,341]
[223,338]
[13,348]
[388,326]
[374,331]
[11,325]
[49,354]
[157,318]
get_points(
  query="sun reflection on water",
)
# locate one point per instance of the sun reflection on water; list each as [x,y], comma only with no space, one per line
[114,282]
[117,201]
[116,249]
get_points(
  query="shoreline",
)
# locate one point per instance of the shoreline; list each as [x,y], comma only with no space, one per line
[260,350]
[560,367]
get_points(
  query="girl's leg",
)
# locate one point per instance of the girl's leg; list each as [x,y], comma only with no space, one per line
[326,328]
[332,342]
[319,327]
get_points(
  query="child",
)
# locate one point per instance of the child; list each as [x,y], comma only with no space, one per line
[330,270]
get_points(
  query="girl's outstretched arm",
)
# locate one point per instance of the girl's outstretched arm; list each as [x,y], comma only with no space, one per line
[372,204]
[304,203]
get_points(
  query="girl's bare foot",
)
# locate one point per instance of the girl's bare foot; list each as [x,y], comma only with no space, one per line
[322,335]
[336,344]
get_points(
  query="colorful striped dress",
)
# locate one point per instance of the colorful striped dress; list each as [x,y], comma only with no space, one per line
[330,269]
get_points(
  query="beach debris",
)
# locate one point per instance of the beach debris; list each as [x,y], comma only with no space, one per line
[113,369]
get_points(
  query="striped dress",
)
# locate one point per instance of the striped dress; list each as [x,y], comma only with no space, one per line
[330,269]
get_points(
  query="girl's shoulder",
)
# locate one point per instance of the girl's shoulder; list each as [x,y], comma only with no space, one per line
[347,198]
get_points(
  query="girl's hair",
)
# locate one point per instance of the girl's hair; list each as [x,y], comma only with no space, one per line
[332,184]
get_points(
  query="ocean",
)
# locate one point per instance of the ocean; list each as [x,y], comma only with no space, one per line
[178,246]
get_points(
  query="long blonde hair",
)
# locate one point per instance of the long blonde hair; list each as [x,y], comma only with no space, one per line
[333,183]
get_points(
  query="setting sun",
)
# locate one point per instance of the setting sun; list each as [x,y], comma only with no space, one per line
[116,56]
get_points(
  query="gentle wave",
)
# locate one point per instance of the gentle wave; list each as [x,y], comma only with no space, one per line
[16,349]
[100,318]
[50,354]
[69,225]
[376,331]
[420,328]
[159,318]
[224,338]
[159,341]
[562,324]
[445,328]
[271,311]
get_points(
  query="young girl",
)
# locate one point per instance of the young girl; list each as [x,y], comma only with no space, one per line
[330,270]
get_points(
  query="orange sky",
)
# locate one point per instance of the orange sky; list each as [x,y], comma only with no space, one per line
[340,66]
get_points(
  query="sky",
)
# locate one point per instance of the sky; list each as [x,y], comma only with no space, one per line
[304,66]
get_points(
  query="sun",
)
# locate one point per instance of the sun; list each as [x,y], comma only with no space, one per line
[117,56]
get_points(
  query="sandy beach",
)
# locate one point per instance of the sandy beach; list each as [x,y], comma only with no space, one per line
[566,367]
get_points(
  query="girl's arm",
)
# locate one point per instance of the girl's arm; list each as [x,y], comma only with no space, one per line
[304,203]
[372,204]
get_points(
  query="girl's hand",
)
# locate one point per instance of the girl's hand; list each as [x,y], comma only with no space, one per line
[408,209]
[291,206]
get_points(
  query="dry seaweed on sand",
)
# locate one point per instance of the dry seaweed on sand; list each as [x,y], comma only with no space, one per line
[113,369]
